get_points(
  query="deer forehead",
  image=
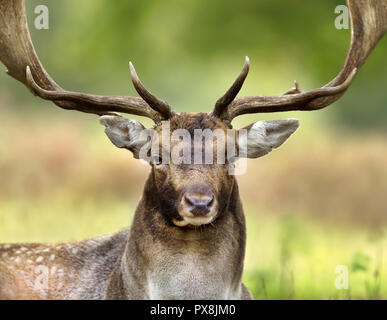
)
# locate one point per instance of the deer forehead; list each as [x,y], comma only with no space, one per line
[191,121]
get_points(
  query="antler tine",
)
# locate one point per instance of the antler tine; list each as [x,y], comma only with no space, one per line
[18,54]
[156,104]
[368,26]
[223,102]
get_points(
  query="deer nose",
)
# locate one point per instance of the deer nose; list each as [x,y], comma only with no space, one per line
[198,203]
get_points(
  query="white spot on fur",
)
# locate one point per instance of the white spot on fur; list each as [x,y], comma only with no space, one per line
[17,260]
[52,257]
[23,249]
[53,271]
[39,259]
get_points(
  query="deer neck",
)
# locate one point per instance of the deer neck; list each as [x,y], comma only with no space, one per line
[162,261]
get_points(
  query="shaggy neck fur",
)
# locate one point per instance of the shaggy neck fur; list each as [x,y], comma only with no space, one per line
[162,261]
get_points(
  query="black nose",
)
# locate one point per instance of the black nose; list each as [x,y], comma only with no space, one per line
[199,201]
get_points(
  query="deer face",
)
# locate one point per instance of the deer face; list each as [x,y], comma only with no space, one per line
[193,191]
[192,175]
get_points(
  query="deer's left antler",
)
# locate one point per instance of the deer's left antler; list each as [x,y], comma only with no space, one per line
[368,26]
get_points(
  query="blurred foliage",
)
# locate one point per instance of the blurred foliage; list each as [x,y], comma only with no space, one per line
[360,262]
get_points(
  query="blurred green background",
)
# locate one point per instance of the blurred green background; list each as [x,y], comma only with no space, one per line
[318,202]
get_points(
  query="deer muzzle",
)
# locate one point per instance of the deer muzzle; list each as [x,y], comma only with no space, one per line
[198,206]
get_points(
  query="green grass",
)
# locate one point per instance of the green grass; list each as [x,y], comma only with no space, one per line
[290,257]
[287,257]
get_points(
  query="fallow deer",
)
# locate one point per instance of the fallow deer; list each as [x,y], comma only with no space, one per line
[187,238]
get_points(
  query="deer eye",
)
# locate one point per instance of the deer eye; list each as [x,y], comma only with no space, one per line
[156,160]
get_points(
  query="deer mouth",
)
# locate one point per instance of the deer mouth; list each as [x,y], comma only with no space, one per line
[194,221]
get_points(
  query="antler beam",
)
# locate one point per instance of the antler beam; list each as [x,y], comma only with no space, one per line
[18,54]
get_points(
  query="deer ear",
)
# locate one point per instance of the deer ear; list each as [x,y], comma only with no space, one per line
[124,133]
[263,136]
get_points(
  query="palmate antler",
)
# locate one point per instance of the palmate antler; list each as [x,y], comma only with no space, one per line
[368,26]
[18,55]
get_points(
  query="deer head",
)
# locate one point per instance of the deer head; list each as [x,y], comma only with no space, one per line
[192,177]
[190,194]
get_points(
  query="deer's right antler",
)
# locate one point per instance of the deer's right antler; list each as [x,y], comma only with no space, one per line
[18,55]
